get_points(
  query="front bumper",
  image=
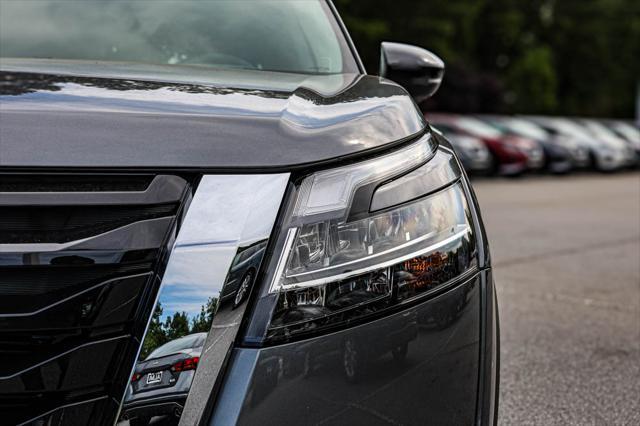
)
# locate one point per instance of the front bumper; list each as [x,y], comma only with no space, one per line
[447,376]
[535,159]
[609,160]
[580,158]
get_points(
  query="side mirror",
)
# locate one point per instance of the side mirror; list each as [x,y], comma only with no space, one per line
[416,69]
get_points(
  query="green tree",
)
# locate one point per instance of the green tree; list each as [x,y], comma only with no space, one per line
[532,80]
[202,322]
[176,326]
[571,57]
[156,336]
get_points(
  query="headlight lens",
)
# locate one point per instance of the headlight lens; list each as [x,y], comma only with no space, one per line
[335,268]
[334,249]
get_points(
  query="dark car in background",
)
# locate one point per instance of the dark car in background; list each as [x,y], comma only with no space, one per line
[560,155]
[511,155]
[244,269]
[179,166]
[160,384]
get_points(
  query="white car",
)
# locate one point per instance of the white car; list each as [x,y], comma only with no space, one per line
[602,133]
[606,155]
[628,132]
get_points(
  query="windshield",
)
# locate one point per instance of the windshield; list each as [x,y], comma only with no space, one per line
[274,35]
[177,345]
[628,131]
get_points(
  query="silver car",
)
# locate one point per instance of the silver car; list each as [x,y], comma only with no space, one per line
[605,154]
[161,382]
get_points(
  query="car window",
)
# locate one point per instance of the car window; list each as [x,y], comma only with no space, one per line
[600,130]
[628,131]
[177,345]
[274,35]
[244,255]
[570,128]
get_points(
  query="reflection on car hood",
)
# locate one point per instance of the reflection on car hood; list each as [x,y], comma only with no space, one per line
[79,114]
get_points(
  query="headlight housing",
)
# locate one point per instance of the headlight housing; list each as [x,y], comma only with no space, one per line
[365,239]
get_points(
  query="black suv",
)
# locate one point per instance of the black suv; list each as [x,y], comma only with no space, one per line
[228,170]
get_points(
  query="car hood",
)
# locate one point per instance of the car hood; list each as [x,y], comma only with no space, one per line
[76,114]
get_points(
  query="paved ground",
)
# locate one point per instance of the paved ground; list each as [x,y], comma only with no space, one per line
[566,252]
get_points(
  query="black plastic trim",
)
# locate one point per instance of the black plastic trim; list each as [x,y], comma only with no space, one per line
[162,189]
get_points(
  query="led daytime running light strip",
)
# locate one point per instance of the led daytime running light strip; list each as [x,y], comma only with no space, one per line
[276,286]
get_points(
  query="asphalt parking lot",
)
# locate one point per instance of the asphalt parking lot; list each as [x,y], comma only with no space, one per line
[566,253]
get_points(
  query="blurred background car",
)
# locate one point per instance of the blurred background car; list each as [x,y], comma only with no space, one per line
[604,135]
[160,384]
[605,155]
[510,155]
[559,155]
[474,155]
[628,132]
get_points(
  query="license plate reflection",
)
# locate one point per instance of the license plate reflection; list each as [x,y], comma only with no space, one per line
[153,378]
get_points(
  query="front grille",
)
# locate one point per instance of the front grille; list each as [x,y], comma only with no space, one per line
[61,224]
[74,183]
[81,259]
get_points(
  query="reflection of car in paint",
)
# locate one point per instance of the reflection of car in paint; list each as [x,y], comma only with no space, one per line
[446,312]
[160,384]
[357,352]
[242,273]
[272,369]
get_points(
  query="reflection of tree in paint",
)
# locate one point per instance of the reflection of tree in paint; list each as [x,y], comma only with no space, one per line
[177,325]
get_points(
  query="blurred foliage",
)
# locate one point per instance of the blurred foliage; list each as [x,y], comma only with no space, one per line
[571,57]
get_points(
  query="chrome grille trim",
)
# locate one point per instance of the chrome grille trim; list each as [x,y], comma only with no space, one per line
[228,215]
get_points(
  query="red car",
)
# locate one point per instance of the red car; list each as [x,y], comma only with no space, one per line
[512,155]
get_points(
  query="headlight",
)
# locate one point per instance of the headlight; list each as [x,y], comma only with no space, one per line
[365,239]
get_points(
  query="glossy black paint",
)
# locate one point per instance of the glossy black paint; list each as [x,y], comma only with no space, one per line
[415,68]
[122,116]
[417,366]
[305,382]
